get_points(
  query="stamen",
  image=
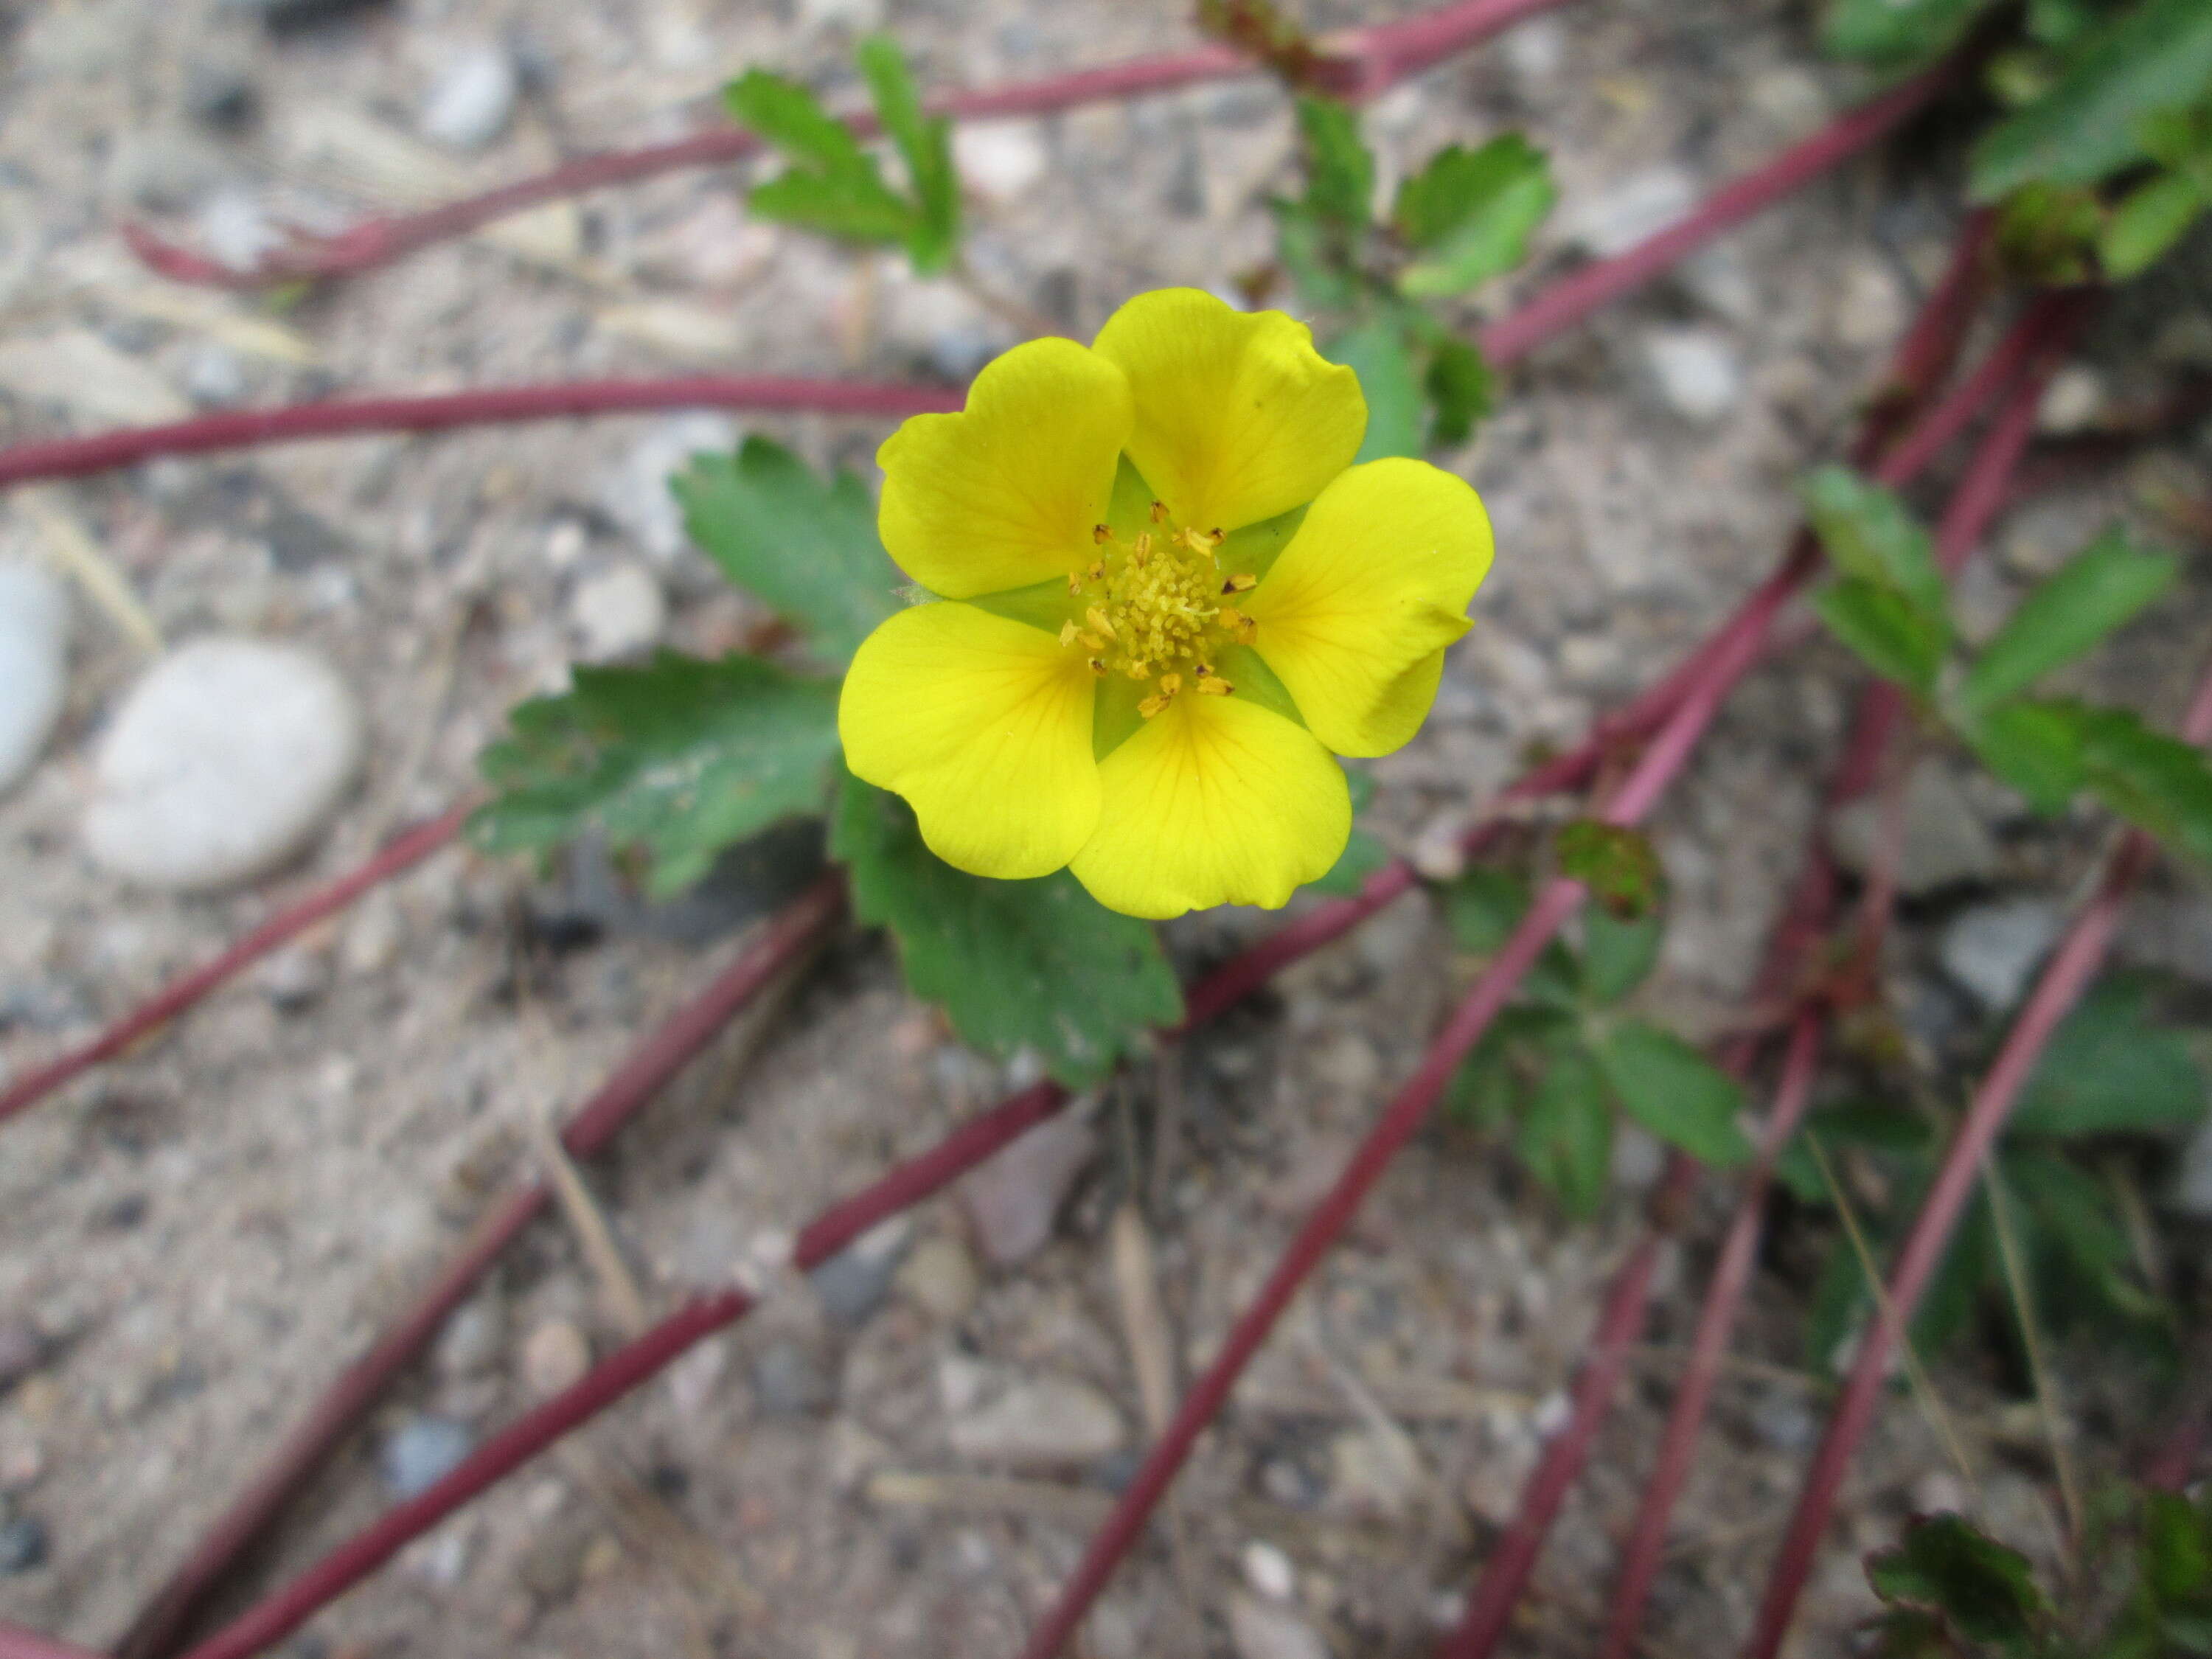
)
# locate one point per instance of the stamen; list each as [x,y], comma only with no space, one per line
[1098,666]
[1242,583]
[1096,618]
[1169,684]
[1152,706]
[1101,533]
[1068,633]
[1159,511]
[1214,686]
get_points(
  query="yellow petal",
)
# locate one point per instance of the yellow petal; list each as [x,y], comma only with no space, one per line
[1238,417]
[1354,615]
[983,724]
[1006,493]
[1215,800]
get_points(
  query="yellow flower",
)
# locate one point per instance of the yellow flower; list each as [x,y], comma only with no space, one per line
[1166,597]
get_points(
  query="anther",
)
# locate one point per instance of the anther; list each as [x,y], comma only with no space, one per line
[1096,618]
[1068,633]
[1098,666]
[1159,511]
[1169,684]
[1101,533]
[1242,583]
[1152,706]
[1214,686]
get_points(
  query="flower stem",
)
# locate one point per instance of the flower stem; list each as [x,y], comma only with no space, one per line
[2063,980]
[648,1068]
[1371,59]
[271,1620]
[73,458]
[404,852]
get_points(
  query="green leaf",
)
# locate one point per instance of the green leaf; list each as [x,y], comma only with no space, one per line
[2036,747]
[1873,1125]
[2149,219]
[1340,171]
[2093,593]
[1471,213]
[1488,1086]
[1618,953]
[1458,385]
[1038,965]
[1380,353]
[2046,234]
[807,548]
[1566,1138]
[1984,1589]
[1615,861]
[2150,57]
[1884,630]
[1482,906]
[1896,34]
[926,143]
[1870,533]
[2177,1547]
[2110,1068]
[681,758]
[833,185]
[2159,783]
[1674,1091]
[1361,857]
[2076,1237]
[1311,249]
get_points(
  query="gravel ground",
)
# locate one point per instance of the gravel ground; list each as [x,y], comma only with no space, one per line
[191,1241]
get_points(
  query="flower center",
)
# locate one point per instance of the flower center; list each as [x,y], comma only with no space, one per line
[1159,609]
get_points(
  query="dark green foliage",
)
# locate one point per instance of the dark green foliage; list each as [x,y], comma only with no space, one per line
[832,185]
[1615,861]
[806,548]
[1468,215]
[1036,964]
[1976,1586]
[680,757]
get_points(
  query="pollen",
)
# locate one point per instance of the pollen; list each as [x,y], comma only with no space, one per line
[1151,608]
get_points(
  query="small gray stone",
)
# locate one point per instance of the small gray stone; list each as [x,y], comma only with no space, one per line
[22,1351]
[1041,1422]
[1945,840]
[2192,1183]
[214,377]
[1014,1197]
[34,625]
[423,1451]
[236,230]
[295,978]
[634,493]
[551,1565]
[474,1338]
[940,1275]
[472,100]
[618,613]
[22,1545]
[223,762]
[787,1382]
[1698,371]
[219,94]
[554,1355]
[164,169]
[1992,949]
[1259,1630]
[853,1283]
[1618,218]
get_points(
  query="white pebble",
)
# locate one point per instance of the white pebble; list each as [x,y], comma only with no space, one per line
[1698,371]
[472,100]
[620,612]
[223,762]
[1268,1570]
[1000,161]
[634,492]
[1620,217]
[34,619]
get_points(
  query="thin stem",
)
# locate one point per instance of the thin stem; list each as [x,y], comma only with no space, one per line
[404,852]
[2048,1404]
[2065,977]
[1678,1444]
[16,1643]
[73,458]
[649,1067]
[1916,1370]
[277,1617]
[1568,302]
[1668,752]
[1558,308]
[1368,60]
